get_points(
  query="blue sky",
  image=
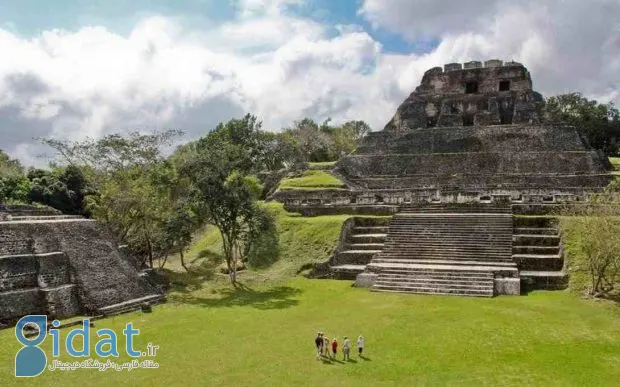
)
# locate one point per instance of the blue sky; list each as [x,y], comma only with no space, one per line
[30,17]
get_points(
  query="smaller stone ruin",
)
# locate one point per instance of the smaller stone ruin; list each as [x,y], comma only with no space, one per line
[62,266]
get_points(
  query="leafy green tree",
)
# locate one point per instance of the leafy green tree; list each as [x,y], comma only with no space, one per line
[599,123]
[133,183]
[226,191]
[14,186]
[60,188]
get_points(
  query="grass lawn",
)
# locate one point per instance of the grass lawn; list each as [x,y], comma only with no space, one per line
[264,337]
[323,165]
[312,179]
[301,241]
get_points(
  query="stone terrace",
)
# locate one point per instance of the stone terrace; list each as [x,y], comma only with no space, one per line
[447,250]
[63,266]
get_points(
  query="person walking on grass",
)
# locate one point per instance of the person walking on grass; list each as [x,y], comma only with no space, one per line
[360,345]
[326,345]
[346,348]
[334,347]
[319,345]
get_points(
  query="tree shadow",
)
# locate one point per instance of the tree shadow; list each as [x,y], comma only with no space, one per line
[191,280]
[279,297]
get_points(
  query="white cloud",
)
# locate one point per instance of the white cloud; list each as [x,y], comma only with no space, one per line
[282,67]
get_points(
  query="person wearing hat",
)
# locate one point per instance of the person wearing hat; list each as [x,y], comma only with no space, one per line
[334,347]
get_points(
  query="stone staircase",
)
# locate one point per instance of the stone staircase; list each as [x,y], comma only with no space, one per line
[537,250]
[446,249]
[361,241]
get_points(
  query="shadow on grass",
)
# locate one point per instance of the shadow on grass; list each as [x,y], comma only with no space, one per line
[279,297]
[365,358]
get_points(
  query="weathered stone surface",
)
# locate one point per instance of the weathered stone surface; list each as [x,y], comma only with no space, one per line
[507,286]
[365,280]
[472,133]
[62,267]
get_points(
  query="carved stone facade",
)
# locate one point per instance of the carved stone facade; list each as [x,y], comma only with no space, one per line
[468,133]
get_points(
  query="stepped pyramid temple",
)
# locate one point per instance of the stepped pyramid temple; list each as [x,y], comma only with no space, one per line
[62,266]
[464,157]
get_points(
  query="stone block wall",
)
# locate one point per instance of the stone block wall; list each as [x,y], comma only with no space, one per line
[17,303]
[64,267]
[18,272]
[62,301]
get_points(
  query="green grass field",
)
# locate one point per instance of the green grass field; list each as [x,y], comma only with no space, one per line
[264,337]
[312,179]
[212,335]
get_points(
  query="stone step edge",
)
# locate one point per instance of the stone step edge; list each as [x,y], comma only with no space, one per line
[430,293]
[131,302]
[447,262]
[432,285]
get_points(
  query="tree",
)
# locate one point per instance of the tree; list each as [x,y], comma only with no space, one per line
[598,123]
[225,189]
[133,185]
[63,188]
[596,228]
[14,186]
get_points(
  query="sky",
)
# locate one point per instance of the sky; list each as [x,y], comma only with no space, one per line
[72,69]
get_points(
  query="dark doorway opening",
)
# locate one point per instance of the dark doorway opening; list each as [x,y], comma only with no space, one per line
[504,85]
[471,87]
[505,118]
[431,122]
[468,120]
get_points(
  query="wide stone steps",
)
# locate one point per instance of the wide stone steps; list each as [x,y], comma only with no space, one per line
[444,255]
[474,249]
[468,262]
[481,287]
[460,209]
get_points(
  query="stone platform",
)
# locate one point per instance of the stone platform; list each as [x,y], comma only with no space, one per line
[64,266]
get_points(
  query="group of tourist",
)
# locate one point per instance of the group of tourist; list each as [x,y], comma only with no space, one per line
[323,344]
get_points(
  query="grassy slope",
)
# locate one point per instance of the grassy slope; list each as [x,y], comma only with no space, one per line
[302,240]
[264,337]
[312,179]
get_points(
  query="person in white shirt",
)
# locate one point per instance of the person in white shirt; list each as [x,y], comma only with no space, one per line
[346,348]
[360,345]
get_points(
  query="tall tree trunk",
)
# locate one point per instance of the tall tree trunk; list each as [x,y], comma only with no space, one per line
[183,260]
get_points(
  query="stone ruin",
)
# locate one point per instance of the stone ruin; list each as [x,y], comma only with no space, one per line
[467,150]
[62,266]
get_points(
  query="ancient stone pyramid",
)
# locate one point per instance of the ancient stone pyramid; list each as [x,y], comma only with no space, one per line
[471,133]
